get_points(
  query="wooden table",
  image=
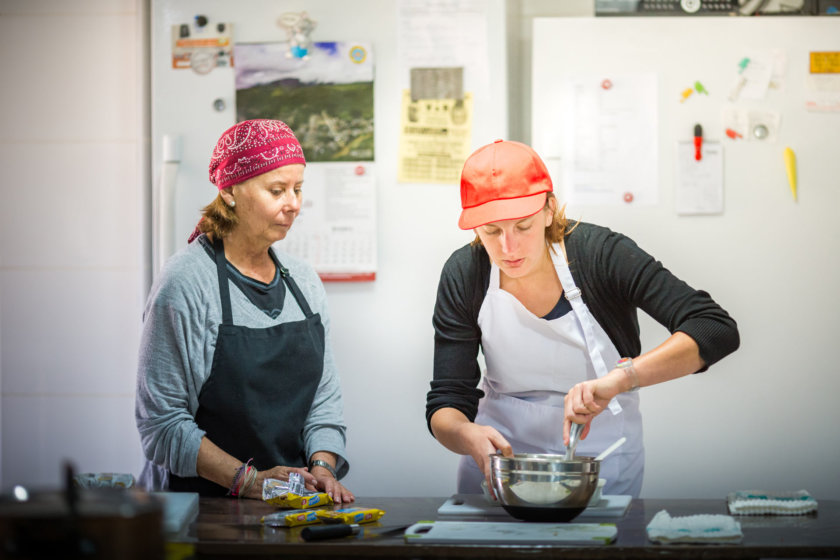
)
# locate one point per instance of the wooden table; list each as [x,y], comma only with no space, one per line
[226,527]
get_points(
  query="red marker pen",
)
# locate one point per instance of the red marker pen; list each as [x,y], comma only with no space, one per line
[698,141]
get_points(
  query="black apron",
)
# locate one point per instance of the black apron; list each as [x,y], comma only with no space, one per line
[260,388]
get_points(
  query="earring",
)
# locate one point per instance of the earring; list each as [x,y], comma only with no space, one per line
[232,203]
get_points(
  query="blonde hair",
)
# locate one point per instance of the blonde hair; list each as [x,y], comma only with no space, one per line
[219,219]
[556,230]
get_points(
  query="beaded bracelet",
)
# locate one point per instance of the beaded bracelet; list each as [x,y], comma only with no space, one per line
[249,479]
[237,479]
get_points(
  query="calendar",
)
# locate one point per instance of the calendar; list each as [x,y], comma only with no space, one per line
[335,231]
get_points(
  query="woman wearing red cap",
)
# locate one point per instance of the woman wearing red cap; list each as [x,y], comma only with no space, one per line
[236,380]
[552,305]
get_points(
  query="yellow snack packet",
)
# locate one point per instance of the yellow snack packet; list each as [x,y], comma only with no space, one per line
[297,501]
[290,518]
[291,494]
[350,515]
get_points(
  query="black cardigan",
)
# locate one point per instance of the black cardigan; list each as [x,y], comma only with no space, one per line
[615,278]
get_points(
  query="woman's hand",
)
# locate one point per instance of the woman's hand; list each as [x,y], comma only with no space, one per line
[279,473]
[480,442]
[325,482]
[587,400]
[459,434]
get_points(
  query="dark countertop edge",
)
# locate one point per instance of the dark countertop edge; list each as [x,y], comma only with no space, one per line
[434,551]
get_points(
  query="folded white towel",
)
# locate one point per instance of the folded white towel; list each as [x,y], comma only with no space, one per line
[760,502]
[702,528]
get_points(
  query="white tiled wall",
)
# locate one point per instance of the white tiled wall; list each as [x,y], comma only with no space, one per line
[72,235]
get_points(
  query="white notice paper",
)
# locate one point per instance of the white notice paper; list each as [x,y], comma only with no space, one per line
[699,183]
[610,139]
[444,33]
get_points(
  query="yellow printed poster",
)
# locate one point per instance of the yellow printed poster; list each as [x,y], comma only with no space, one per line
[435,139]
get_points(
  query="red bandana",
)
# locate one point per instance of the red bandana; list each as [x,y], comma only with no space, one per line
[251,148]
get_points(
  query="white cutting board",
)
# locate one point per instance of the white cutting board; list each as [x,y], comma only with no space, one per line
[471,505]
[496,532]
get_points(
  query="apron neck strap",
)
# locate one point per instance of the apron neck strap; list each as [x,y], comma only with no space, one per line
[585,318]
[293,287]
[224,289]
[494,276]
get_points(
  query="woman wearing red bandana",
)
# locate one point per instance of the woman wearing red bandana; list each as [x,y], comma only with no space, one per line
[552,305]
[236,381]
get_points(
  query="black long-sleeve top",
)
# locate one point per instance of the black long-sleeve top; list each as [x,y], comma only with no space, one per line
[615,277]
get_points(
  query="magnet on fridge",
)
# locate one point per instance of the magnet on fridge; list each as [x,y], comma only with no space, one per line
[760,131]
[686,94]
[606,84]
[200,21]
[184,31]
[733,133]
[700,89]
[628,197]
[299,28]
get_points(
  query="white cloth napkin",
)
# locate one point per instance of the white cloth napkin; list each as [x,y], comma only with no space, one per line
[760,502]
[702,528]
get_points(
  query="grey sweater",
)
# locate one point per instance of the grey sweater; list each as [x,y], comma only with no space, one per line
[615,277]
[181,323]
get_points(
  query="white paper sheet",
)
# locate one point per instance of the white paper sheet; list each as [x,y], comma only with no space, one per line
[440,33]
[610,139]
[699,185]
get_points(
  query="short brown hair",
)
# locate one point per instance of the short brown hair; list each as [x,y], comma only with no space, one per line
[219,219]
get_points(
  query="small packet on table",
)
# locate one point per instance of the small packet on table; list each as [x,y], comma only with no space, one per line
[292,493]
[350,515]
[291,518]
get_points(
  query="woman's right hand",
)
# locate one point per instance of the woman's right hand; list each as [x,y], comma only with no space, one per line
[279,473]
[482,441]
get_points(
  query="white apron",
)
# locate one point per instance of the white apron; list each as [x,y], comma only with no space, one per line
[531,364]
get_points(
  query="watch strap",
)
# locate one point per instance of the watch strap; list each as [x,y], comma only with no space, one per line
[324,464]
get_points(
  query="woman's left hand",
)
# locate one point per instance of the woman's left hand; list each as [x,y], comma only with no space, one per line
[325,482]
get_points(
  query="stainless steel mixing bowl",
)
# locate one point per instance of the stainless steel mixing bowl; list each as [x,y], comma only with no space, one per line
[543,487]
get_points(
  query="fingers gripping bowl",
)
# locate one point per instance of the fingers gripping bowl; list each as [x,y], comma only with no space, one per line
[542,487]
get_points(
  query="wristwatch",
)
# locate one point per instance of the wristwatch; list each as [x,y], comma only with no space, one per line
[320,463]
[626,364]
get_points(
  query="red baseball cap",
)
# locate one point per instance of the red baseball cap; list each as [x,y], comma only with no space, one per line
[505,180]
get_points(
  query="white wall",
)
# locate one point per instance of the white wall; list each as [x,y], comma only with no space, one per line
[72,243]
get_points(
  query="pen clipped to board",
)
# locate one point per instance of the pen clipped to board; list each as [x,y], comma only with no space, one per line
[698,142]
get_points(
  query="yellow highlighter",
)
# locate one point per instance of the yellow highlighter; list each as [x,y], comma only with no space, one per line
[790,166]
